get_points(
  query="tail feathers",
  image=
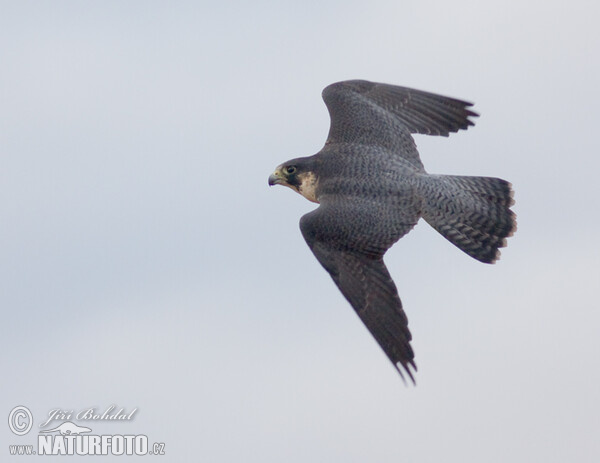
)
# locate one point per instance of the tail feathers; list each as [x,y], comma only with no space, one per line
[473,213]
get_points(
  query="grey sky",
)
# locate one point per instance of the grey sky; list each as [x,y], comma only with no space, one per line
[146,263]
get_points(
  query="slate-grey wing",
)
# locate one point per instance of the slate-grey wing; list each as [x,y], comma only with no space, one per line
[419,111]
[386,115]
[362,277]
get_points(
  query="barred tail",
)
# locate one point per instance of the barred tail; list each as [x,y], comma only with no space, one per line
[473,213]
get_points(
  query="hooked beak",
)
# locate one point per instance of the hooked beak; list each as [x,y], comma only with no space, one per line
[275,178]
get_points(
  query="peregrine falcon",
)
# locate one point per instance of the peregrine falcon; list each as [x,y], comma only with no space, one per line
[372,189]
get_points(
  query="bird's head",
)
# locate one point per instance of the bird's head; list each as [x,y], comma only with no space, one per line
[297,174]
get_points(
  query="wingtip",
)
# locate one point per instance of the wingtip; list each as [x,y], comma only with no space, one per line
[406,366]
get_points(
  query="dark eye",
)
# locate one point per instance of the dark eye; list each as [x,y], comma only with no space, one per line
[290,169]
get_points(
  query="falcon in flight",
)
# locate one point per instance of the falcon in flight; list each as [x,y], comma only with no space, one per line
[372,189]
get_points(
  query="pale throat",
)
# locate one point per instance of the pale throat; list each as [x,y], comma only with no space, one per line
[308,186]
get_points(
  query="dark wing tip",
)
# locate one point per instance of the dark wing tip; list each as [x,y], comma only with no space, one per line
[406,367]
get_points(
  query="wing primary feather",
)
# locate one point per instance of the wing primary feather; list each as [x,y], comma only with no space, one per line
[365,282]
[417,111]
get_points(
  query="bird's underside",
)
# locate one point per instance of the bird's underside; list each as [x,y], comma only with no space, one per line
[372,189]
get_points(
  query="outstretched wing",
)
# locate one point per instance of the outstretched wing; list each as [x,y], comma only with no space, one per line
[361,275]
[385,115]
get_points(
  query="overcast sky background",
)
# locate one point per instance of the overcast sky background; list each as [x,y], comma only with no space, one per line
[144,261]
